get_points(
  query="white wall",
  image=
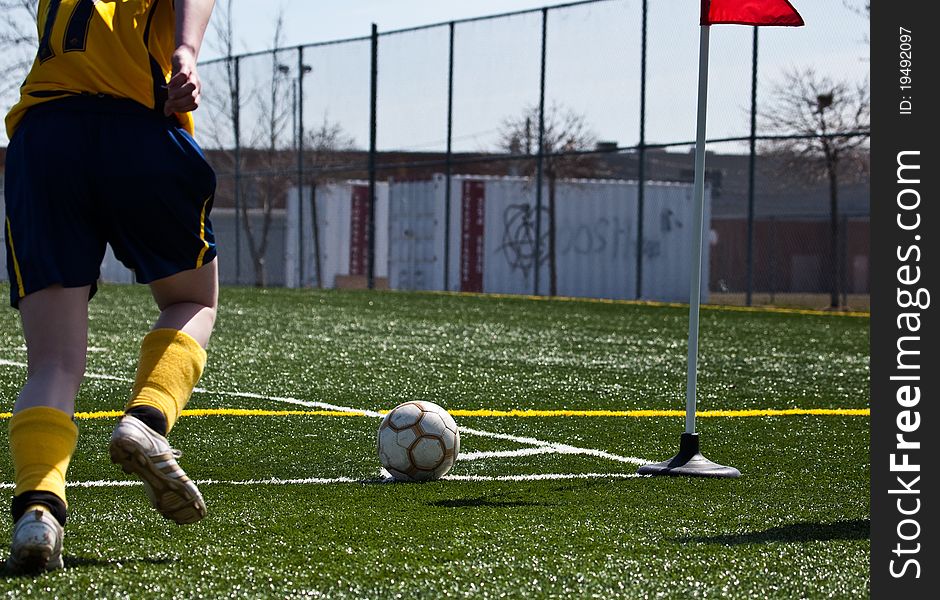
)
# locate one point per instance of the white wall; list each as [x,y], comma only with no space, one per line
[334,235]
[596,240]
[416,235]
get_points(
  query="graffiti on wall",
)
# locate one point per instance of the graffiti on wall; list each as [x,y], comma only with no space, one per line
[518,242]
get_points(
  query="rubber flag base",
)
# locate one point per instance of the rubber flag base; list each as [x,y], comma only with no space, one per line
[689,463]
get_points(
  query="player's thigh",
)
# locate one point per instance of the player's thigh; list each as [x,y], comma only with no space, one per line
[157,198]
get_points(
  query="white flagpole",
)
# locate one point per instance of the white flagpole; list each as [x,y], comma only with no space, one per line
[698,227]
[689,461]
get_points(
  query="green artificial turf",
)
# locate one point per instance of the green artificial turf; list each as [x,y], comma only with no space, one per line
[795,525]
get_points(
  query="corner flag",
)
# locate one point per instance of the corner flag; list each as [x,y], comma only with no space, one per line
[689,461]
[750,12]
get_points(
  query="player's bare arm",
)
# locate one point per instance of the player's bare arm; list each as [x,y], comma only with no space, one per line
[184,87]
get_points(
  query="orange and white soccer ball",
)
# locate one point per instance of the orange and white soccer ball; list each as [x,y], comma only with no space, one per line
[418,441]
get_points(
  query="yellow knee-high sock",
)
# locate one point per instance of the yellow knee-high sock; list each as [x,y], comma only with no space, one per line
[171,363]
[42,441]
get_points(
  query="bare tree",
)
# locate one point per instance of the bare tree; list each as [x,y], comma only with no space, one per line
[565,137]
[866,9]
[325,145]
[221,98]
[829,121]
[269,182]
[863,11]
[258,192]
[18,42]
[263,160]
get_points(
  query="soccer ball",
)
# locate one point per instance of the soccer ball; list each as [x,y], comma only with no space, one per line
[418,441]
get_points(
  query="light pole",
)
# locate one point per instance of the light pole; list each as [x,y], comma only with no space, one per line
[284,72]
[293,111]
[297,130]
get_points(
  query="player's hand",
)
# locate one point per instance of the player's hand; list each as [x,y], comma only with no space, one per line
[184,87]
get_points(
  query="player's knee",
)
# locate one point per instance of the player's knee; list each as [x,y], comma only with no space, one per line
[209,313]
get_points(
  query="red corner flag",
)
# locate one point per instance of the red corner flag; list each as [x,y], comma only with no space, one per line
[750,12]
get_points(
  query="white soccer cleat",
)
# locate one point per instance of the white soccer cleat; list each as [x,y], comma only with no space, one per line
[144,452]
[37,543]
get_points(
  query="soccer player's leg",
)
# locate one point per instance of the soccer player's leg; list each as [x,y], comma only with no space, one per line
[42,433]
[172,359]
[164,235]
[54,251]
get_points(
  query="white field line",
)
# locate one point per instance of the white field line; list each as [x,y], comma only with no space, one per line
[506,453]
[284,400]
[543,446]
[13,363]
[542,477]
[104,483]
[556,448]
[287,400]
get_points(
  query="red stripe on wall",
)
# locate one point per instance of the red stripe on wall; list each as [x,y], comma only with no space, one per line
[471,236]
[359,230]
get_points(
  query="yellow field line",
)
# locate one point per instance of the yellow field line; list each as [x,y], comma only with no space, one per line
[844,412]
[228,412]
[718,307]
[241,412]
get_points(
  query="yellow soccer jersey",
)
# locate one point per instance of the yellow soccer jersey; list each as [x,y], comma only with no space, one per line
[121,48]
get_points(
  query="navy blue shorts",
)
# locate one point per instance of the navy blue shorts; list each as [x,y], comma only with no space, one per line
[84,172]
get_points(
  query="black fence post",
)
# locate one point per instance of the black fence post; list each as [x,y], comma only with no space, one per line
[316,234]
[540,168]
[372,154]
[750,176]
[236,124]
[448,169]
[773,259]
[641,157]
[844,263]
[301,68]
[834,295]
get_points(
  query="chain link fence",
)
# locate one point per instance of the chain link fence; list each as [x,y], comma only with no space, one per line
[558,138]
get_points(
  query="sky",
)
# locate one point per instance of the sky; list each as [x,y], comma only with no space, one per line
[323,20]
[593,65]
[593,56]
